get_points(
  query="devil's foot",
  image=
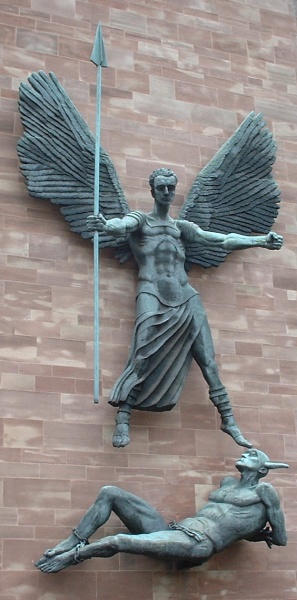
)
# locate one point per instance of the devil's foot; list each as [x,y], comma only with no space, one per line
[62,546]
[57,563]
[233,430]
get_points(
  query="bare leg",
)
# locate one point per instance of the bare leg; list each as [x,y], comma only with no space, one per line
[165,545]
[204,355]
[121,436]
[136,514]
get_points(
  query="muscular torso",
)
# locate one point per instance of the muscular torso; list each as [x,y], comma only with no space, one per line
[159,251]
[232,513]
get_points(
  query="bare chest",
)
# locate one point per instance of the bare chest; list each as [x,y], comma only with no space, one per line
[236,496]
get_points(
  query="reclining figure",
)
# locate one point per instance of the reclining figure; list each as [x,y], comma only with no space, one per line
[239,509]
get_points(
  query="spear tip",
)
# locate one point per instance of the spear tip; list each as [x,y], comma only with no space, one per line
[98,56]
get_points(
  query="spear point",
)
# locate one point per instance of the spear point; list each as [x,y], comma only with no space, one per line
[98,56]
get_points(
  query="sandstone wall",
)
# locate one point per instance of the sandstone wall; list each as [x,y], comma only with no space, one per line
[181,77]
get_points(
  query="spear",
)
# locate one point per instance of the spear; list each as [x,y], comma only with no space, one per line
[98,57]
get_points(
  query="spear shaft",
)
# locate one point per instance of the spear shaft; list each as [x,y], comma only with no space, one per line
[98,57]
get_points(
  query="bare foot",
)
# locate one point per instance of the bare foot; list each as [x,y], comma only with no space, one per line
[63,546]
[233,430]
[57,562]
[121,437]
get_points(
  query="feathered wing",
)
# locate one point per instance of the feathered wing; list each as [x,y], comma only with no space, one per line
[235,192]
[57,155]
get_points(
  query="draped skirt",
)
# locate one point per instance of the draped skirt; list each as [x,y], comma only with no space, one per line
[160,356]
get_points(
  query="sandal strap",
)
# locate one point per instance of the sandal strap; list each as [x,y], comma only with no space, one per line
[122,417]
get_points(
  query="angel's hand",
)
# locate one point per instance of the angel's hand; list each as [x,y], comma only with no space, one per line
[274,241]
[96,223]
[114,227]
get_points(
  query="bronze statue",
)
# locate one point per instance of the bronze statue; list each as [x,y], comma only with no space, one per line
[171,325]
[240,509]
[232,197]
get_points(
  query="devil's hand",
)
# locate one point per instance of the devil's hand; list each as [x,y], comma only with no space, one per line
[265,535]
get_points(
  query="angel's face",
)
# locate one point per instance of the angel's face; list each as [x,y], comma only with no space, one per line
[164,189]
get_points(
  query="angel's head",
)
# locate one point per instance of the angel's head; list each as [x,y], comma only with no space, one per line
[163,183]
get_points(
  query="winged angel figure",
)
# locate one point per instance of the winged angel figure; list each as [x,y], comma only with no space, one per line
[233,197]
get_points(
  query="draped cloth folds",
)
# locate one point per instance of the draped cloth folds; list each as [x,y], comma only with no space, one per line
[160,356]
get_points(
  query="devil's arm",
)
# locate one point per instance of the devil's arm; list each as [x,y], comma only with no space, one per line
[276,534]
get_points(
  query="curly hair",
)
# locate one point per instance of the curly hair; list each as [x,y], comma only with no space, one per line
[163,172]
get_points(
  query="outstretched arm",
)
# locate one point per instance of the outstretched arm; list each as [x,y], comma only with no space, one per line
[271,241]
[230,241]
[115,227]
[276,534]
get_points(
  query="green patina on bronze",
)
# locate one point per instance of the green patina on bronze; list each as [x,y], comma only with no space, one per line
[234,196]
[240,509]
